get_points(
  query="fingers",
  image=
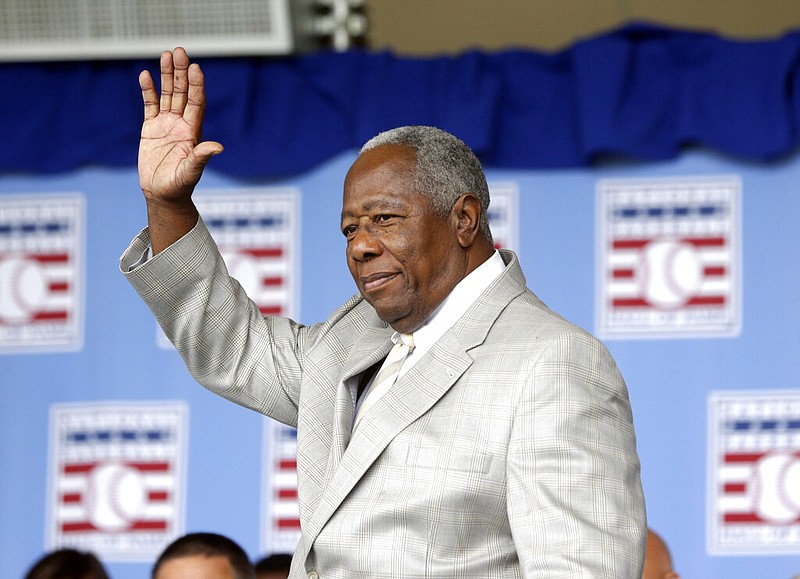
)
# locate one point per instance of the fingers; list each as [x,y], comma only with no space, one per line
[182,88]
[167,72]
[149,95]
[180,61]
[196,100]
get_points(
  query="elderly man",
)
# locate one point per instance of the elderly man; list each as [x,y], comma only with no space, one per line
[448,423]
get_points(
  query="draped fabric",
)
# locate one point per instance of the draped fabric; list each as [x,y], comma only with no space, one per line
[641,92]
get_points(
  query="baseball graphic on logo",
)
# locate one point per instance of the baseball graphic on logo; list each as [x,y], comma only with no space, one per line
[116,496]
[778,488]
[22,288]
[671,272]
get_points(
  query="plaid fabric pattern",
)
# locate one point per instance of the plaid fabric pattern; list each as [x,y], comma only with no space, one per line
[508,450]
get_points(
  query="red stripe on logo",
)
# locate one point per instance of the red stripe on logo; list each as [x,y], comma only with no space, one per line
[630,243]
[264,252]
[622,273]
[150,466]
[629,303]
[743,457]
[148,526]
[706,241]
[79,467]
[50,257]
[49,316]
[81,527]
[735,488]
[742,518]
[288,523]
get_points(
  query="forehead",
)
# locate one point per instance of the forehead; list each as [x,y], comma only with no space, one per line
[383,175]
[385,153]
[386,160]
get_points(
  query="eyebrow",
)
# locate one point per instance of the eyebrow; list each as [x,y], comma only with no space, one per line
[381,205]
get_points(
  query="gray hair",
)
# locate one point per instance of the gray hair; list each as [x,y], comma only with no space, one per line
[446,168]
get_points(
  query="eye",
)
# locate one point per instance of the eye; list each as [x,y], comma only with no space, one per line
[384,218]
[348,231]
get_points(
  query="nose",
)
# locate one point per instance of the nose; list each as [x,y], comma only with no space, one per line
[364,245]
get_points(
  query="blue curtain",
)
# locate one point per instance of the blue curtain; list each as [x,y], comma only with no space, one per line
[641,92]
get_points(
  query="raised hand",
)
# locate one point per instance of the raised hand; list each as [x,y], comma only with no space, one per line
[171,155]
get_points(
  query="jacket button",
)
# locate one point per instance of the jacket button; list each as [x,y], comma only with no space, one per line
[313,575]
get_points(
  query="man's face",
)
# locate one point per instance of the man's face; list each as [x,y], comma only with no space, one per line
[196,567]
[404,258]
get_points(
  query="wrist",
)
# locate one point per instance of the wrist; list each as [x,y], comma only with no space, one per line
[169,221]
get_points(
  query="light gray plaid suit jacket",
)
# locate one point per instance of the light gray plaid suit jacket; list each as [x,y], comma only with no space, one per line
[508,450]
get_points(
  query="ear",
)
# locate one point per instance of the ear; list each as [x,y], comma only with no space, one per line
[466,219]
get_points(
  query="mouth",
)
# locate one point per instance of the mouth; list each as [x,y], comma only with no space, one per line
[376,281]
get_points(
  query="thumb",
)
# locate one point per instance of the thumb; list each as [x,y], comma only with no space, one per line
[197,160]
[207,149]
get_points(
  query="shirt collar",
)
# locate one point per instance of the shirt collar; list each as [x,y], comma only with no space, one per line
[457,303]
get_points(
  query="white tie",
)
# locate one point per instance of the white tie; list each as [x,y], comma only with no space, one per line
[387,374]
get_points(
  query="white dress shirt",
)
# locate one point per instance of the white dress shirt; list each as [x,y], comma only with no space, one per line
[445,316]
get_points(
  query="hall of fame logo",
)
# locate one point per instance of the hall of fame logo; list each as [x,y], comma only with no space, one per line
[754,473]
[41,273]
[257,232]
[280,509]
[668,258]
[116,481]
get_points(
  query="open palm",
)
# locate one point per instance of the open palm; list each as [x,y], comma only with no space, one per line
[171,155]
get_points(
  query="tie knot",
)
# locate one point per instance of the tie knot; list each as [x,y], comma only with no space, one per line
[408,341]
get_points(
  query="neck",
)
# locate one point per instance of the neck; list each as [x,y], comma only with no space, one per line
[478,253]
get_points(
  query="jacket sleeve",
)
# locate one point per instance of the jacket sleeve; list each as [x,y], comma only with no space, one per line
[575,501]
[225,341]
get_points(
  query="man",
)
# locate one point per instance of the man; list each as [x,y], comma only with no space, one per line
[203,556]
[657,560]
[505,448]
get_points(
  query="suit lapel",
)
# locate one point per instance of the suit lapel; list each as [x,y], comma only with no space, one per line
[373,346]
[409,398]
[413,394]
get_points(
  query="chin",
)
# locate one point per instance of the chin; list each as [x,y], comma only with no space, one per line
[398,322]
[385,311]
